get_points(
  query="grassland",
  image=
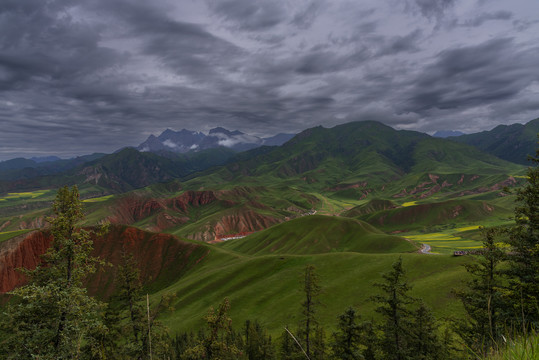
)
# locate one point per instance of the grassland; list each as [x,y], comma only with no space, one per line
[268,287]
[315,234]
[14,199]
[6,235]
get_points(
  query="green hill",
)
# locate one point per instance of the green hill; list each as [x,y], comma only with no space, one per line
[122,171]
[369,207]
[317,234]
[426,215]
[361,159]
[268,288]
[509,142]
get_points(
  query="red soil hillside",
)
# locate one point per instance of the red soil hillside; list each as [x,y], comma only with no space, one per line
[162,258]
[133,208]
[20,252]
[159,214]
[236,222]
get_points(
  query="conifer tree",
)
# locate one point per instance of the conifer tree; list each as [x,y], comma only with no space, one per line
[483,325]
[369,340]
[347,339]
[142,333]
[216,344]
[311,289]
[394,305]
[258,345]
[319,351]
[54,316]
[524,255]
[425,341]
[289,349]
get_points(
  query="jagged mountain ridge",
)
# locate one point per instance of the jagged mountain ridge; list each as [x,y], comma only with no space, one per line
[186,140]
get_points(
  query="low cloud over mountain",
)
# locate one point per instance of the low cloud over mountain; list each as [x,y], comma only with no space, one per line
[185,140]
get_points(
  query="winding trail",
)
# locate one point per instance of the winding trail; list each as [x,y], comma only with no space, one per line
[425,249]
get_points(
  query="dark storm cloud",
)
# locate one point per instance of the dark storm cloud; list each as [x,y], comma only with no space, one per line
[483,17]
[432,9]
[398,44]
[470,76]
[96,75]
[253,15]
[40,44]
[262,15]
[304,18]
[319,62]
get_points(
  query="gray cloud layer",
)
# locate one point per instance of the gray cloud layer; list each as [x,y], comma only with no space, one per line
[78,77]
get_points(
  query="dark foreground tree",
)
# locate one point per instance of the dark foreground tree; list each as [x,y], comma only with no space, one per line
[309,323]
[257,343]
[483,325]
[425,341]
[394,306]
[289,349]
[523,273]
[53,317]
[347,340]
[142,335]
[217,343]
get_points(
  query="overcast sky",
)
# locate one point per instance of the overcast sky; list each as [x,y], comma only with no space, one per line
[86,76]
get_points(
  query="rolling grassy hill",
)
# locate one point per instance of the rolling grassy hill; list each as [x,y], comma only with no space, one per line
[315,234]
[451,213]
[267,287]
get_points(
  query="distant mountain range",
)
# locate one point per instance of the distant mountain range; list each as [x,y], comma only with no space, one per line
[184,141]
[447,133]
[346,152]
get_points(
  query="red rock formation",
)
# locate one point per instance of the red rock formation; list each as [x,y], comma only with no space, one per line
[248,221]
[242,222]
[130,209]
[164,221]
[20,252]
[434,178]
[403,193]
[161,257]
[192,198]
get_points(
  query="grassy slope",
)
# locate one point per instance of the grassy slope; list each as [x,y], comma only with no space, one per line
[319,234]
[268,287]
[6,235]
[447,213]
